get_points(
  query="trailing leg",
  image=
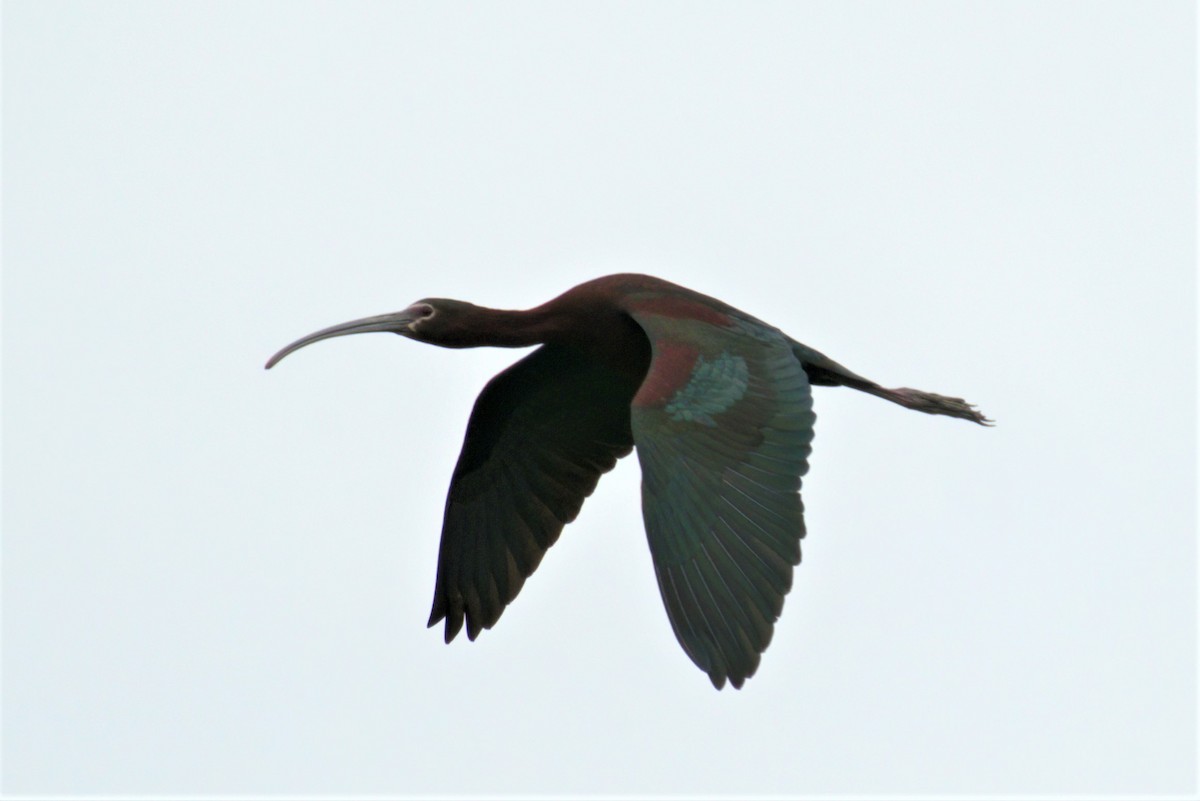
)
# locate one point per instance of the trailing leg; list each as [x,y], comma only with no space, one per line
[823,371]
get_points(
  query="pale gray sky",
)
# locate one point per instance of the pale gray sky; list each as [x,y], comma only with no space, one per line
[216,579]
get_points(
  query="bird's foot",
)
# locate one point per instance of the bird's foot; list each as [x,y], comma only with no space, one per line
[931,403]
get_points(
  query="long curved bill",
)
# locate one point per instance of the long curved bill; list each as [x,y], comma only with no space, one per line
[395,323]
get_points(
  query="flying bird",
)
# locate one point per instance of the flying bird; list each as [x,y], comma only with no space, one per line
[718,405]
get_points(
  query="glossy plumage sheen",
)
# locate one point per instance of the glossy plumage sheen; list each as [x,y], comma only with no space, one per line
[718,405]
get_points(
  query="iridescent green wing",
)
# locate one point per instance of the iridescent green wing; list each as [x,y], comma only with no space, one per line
[722,425]
[541,434]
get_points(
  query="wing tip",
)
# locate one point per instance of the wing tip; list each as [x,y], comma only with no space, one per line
[454,622]
[735,679]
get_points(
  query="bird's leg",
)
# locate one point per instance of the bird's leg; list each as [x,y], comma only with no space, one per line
[824,371]
[929,403]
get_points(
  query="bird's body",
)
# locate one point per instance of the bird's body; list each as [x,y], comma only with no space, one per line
[719,407]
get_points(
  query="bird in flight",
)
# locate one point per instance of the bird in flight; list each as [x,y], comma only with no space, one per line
[718,405]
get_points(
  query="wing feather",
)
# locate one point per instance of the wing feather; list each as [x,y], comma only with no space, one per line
[722,453]
[540,436]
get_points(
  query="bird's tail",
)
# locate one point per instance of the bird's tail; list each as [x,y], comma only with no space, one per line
[824,371]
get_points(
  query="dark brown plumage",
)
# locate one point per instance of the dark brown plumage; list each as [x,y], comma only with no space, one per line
[719,407]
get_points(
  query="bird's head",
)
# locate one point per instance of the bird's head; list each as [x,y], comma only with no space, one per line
[438,321]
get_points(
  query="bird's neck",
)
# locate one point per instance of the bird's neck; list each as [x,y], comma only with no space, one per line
[501,328]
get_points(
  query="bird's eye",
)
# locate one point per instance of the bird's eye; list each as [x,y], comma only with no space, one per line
[425,310]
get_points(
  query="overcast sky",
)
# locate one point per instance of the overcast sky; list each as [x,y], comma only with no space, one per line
[216,579]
